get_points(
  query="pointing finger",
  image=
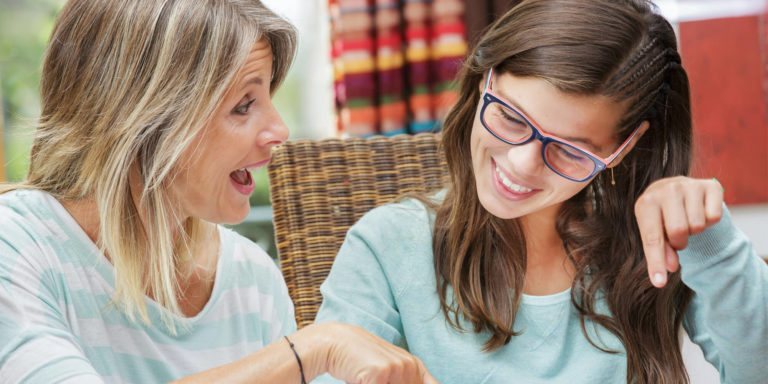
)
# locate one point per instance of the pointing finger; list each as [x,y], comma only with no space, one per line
[649,221]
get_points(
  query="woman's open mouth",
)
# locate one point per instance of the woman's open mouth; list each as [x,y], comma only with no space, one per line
[242,181]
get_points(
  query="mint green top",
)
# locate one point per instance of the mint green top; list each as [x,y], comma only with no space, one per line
[383,279]
[56,325]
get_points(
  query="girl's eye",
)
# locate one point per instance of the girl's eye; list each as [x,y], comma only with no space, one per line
[572,154]
[510,118]
[243,108]
[511,123]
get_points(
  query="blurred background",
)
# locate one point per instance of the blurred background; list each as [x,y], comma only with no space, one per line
[369,67]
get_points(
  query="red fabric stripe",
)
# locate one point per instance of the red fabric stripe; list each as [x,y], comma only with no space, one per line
[450,28]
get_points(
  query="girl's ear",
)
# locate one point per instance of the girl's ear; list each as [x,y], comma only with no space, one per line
[640,131]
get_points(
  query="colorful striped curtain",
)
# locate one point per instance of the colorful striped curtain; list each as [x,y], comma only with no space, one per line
[395,63]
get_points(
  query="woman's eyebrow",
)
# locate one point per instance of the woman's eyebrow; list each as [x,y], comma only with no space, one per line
[255,80]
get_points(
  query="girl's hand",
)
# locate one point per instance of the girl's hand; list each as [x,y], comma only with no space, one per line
[668,212]
[359,357]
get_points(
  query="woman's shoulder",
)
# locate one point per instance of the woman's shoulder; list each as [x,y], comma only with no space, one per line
[32,236]
[26,215]
[22,201]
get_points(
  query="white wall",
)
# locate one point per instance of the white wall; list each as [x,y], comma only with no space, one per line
[753,221]
[700,370]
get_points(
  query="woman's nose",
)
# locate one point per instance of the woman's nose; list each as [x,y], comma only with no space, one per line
[275,131]
[527,158]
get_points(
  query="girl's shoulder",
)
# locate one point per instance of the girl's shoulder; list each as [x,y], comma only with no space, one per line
[398,236]
[405,214]
[406,220]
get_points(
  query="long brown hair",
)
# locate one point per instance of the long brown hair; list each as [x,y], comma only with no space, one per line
[621,49]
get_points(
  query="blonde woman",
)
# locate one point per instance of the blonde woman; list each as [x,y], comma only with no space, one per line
[153,114]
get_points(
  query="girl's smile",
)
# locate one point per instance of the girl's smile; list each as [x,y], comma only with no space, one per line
[513,180]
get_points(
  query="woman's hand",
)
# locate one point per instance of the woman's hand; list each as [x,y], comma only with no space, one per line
[347,352]
[356,356]
[668,212]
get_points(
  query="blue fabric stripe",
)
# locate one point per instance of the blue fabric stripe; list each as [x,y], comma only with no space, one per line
[39,300]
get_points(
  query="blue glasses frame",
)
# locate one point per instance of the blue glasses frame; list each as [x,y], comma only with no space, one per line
[489,97]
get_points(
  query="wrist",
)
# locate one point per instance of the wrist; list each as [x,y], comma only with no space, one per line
[313,344]
[302,375]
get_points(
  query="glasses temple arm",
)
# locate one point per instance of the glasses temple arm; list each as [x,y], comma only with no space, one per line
[616,154]
[488,80]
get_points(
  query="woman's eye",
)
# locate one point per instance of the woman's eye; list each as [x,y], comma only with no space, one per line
[243,109]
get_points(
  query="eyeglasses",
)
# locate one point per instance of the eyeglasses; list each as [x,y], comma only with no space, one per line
[511,126]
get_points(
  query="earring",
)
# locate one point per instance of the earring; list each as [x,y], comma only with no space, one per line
[613,182]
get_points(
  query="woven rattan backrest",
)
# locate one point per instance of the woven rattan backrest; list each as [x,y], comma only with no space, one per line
[320,188]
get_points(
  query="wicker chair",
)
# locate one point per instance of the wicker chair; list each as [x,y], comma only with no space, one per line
[320,188]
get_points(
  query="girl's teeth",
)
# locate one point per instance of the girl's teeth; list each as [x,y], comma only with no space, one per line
[515,187]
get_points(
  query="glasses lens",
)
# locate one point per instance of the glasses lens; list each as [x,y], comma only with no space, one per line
[506,123]
[568,160]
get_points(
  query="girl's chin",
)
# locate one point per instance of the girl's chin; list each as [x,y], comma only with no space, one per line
[496,207]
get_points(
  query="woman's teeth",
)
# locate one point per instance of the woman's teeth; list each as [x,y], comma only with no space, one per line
[512,186]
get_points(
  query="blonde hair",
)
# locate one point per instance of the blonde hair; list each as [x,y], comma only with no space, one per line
[130,84]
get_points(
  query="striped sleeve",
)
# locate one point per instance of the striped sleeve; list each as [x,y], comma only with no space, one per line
[37,346]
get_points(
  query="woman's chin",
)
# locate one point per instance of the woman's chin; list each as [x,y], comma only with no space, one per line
[239,215]
[233,215]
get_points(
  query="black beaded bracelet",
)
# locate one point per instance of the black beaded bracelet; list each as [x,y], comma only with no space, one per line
[301,367]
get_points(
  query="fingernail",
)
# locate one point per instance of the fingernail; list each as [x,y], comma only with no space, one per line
[659,279]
